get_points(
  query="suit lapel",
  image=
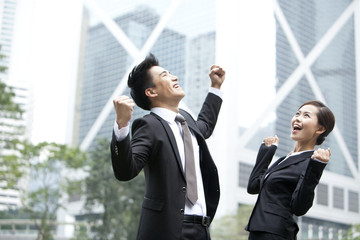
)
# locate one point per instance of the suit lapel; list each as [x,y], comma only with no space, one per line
[173,144]
[270,170]
[290,161]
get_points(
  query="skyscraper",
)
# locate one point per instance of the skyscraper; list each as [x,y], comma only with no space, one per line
[12,127]
[7,23]
[200,56]
[105,63]
[316,58]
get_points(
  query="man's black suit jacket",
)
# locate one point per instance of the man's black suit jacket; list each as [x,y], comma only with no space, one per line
[285,189]
[153,147]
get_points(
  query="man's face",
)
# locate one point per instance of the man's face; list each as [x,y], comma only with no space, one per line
[166,88]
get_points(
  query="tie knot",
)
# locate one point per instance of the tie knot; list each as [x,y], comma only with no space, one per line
[179,118]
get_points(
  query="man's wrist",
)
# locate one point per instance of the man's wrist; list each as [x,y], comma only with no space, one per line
[216,91]
[217,86]
[121,124]
[121,133]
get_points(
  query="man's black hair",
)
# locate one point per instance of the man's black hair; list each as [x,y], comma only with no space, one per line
[140,79]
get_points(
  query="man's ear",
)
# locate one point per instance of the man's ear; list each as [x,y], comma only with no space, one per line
[150,92]
[320,130]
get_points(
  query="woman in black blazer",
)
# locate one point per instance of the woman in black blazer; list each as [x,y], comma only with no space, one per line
[287,187]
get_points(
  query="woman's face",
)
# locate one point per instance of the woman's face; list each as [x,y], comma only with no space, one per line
[304,125]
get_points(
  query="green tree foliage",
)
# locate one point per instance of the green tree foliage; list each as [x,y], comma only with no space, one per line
[7,105]
[120,202]
[45,162]
[353,233]
[9,132]
[2,68]
[231,227]
[41,164]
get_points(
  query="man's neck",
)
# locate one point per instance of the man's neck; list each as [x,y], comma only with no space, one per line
[174,108]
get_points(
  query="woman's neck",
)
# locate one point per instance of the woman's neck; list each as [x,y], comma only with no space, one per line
[300,147]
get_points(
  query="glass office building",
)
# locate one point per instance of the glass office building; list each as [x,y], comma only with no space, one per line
[332,78]
[105,63]
[317,57]
[314,52]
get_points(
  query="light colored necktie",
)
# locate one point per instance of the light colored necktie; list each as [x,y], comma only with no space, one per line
[189,161]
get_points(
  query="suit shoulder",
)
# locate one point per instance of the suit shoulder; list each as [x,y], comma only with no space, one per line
[186,114]
[148,119]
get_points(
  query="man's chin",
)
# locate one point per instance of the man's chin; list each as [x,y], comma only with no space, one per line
[181,93]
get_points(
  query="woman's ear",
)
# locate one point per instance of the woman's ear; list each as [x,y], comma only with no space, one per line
[150,92]
[321,130]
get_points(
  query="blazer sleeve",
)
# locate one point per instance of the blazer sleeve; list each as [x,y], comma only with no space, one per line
[263,160]
[208,115]
[303,196]
[129,157]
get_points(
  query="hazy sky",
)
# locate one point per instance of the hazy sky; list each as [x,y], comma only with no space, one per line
[46,55]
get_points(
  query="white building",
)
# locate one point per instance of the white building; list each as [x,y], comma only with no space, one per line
[15,128]
[12,127]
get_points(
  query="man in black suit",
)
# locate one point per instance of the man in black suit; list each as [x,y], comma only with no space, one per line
[157,146]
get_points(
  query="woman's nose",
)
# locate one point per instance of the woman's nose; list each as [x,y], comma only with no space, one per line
[297,118]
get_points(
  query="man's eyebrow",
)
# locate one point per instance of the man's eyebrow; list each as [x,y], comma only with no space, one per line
[163,72]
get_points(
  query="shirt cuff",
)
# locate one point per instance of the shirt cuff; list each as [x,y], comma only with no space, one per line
[275,144]
[217,92]
[317,160]
[120,134]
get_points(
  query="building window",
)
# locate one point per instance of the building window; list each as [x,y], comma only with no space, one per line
[244,174]
[322,194]
[353,201]
[338,198]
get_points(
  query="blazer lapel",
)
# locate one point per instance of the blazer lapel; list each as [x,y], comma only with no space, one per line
[270,170]
[173,144]
[290,161]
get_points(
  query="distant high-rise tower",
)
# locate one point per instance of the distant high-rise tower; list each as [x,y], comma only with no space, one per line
[15,128]
[317,57]
[200,56]
[319,38]
[7,23]
[105,62]
[316,54]
[11,127]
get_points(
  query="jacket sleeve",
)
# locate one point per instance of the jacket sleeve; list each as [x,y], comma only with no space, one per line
[263,160]
[129,157]
[303,196]
[209,114]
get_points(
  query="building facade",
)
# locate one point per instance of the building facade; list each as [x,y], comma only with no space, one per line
[332,78]
[8,10]
[105,63]
[315,57]
[12,127]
